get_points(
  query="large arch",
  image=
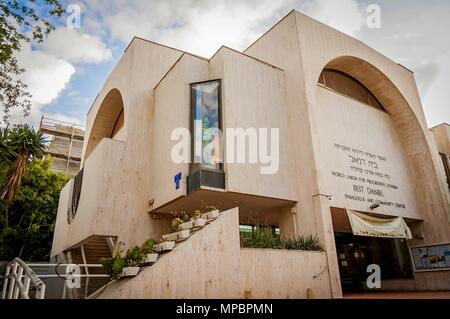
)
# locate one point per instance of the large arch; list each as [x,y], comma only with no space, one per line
[423,167]
[110,112]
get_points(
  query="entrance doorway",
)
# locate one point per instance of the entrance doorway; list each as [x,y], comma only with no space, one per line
[356,253]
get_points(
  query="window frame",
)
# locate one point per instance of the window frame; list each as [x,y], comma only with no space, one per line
[445,162]
[324,85]
[194,167]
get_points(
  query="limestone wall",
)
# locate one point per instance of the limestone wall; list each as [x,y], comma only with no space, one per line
[211,264]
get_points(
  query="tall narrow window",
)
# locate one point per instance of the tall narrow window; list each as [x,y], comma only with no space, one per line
[445,161]
[206,125]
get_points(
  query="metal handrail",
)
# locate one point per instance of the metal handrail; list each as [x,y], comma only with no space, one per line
[46,120]
[16,271]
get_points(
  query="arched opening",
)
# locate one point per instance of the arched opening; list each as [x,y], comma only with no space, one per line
[109,122]
[345,84]
[374,134]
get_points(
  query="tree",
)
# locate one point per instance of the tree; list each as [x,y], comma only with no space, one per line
[19,23]
[30,232]
[22,144]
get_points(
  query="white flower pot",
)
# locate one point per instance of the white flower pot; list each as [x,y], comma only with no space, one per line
[186,225]
[150,258]
[183,234]
[130,271]
[213,214]
[164,246]
[170,237]
[199,222]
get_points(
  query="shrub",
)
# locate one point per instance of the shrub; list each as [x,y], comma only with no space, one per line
[309,242]
[175,223]
[147,247]
[113,266]
[133,256]
[264,237]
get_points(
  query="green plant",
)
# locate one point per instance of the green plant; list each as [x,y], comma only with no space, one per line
[210,208]
[264,237]
[133,256]
[22,143]
[309,242]
[261,237]
[113,266]
[185,217]
[175,223]
[147,247]
[32,213]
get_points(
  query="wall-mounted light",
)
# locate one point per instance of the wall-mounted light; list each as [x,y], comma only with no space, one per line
[330,197]
[375,205]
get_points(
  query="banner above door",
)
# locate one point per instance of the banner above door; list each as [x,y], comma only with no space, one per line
[365,225]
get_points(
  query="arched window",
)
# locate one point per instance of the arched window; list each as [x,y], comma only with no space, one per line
[348,86]
[109,121]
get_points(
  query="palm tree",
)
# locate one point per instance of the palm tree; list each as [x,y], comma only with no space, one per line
[6,153]
[19,146]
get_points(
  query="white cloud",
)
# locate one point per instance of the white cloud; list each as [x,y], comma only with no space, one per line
[413,34]
[417,37]
[46,75]
[199,27]
[74,46]
[50,68]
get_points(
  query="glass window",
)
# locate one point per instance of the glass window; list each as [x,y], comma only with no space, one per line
[446,164]
[205,125]
[345,84]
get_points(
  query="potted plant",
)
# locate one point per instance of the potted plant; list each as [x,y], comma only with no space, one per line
[164,245]
[149,256]
[212,212]
[175,223]
[187,225]
[132,258]
[180,235]
[197,219]
[113,266]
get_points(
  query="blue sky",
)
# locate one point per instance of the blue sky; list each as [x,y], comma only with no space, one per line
[68,70]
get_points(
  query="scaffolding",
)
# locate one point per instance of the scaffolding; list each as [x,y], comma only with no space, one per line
[66,144]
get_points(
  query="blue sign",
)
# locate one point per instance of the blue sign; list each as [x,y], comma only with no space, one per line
[177,179]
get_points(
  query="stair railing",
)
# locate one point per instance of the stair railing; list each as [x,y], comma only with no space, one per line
[18,280]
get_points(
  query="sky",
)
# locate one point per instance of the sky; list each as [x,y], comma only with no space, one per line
[66,72]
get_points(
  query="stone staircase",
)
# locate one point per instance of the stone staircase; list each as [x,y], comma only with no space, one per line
[170,241]
[185,231]
[93,249]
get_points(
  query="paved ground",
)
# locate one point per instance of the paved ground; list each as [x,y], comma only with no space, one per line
[400,295]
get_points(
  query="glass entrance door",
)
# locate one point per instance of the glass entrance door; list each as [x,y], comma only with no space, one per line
[356,253]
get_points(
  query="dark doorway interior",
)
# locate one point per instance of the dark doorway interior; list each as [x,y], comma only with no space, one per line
[355,253]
